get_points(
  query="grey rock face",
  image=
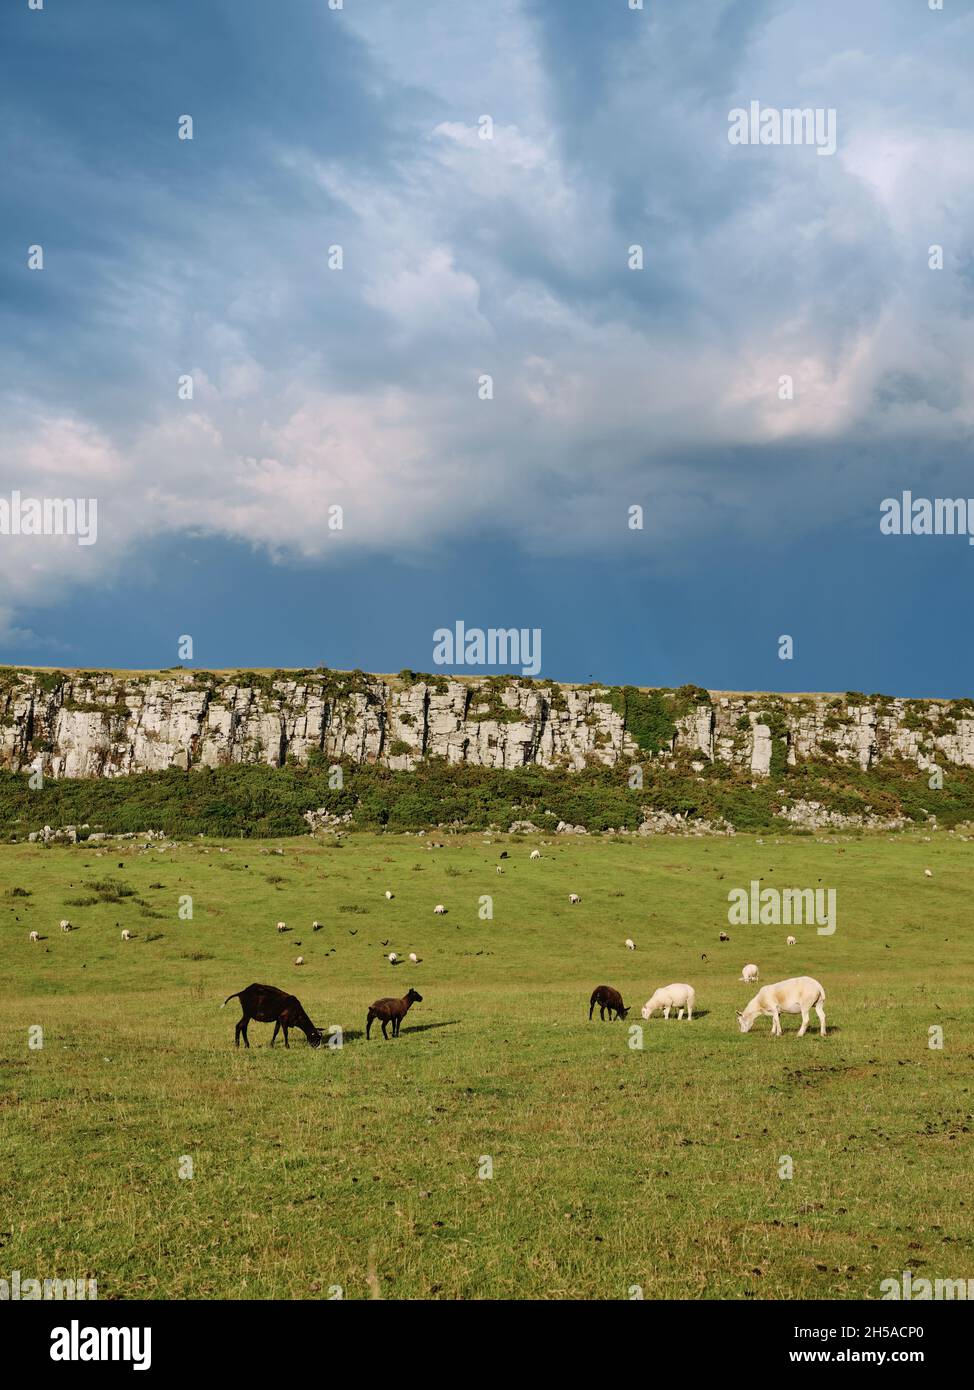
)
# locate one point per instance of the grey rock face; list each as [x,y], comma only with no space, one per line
[98,724]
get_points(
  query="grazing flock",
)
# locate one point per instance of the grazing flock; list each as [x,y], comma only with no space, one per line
[268,1004]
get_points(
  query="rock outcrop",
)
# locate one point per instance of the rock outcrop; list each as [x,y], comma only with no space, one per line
[102,724]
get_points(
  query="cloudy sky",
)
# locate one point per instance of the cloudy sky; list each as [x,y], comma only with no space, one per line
[508,257]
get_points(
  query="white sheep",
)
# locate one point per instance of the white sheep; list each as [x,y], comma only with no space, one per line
[388,895]
[928,873]
[535,854]
[126,935]
[682,997]
[749,973]
[724,936]
[792,941]
[299,960]
[630,944]
[282,926]
[795,996]
[499,869]
[34,936]
[574,898]
[65,925]
[392,958]
[316,926]
[416,960]
[439,909]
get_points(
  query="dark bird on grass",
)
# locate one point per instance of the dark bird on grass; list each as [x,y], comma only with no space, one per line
[353,933]
[386,942]
[704,956]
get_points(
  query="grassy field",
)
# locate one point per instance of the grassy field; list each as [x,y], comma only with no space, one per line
[359,1168]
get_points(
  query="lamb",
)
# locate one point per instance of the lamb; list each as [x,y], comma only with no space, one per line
[439,909]
[794,996]
[749,973]
[126,935]
[391,1011]
[682,997]
[34,936]
[574,898]
[630,944]
[791,941]
[607,998]
[535,854]
[267,1004]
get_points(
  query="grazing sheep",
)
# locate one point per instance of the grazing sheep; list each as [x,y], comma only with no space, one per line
[299,960]
[574,898]
[392,958]
[792,941]
[439,909]
[65,925]
[607,998]
[126,936]
[316,926]
[928,873]
[724,936]
[34,936]
[682,997]
[535,854]
[504,854]
[630,944]
[499,869]
[795,996]
[282,926]
[749,973]
[416,960]
[267,1004]
[391,1011]
[388,894]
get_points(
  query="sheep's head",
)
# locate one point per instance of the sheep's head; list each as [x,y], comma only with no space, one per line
[414,997]
[624,1012]
[745,1021]
[314,1035]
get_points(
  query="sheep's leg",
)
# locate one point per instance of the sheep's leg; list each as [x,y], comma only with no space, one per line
[689,1012]
[286,1043]
[821,1018]
[368,1024]
[679,1017]
[277,1028]
[236,1034]
[591,1010]
[666,1011]
[775,1024]
[801,1030]
[384,1026]
[243,1031]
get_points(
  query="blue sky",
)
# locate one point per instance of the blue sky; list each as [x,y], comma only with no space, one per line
[462,256]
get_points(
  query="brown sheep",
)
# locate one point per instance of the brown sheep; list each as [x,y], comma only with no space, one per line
[607,998]
[391,1011]
[267,1004]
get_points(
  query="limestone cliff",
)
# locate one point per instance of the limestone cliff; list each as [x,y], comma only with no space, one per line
[105,724]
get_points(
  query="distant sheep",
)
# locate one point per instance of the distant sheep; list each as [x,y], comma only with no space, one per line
[439,909]
[282,926]
[66,925]
[499,869]
[749,973]
[34,936]
[416,960]
[928,873]
[316,926]
[126,935]
[630,944]
[724,936]
[792,941]
[681,997]
[388,895]
[574,898]
[535,854]
[299,960]
[392,958]
[794,996]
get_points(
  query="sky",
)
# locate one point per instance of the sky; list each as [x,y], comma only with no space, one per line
[455,423]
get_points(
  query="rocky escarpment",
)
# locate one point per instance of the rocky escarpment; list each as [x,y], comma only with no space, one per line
[103,724]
